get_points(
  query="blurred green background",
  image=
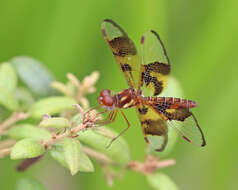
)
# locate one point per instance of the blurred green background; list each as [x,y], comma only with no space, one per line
[201,38]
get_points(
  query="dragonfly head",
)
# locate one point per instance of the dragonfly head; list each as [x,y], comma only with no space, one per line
[105,100]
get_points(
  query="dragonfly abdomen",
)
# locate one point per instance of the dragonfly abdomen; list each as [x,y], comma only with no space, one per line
[172,102]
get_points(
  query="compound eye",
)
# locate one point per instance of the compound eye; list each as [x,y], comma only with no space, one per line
[107,101]
[100,99]
[105,93]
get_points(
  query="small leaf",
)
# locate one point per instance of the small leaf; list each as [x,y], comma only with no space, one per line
[161,181]
[59,151]
[23,131]
[51,105]
[75,158]
[85,164]
[24,97]
[29,184]
[26,148]
[34,74]
[118,151]
[8,100]
[55,122]
[8,77]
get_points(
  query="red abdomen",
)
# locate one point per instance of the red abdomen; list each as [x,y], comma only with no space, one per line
[175,102]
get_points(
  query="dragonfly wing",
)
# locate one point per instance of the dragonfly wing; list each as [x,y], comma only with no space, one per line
[155,69]
[123,50]
[154,127]
[186,125]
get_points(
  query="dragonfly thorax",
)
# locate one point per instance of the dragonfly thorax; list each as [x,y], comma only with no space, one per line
[124,99]
[127,98]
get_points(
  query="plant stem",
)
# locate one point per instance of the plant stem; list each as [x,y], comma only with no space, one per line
[100,157]
[11,120]
[5,152]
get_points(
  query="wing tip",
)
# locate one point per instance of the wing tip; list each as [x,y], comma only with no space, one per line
[156,34]
[203,143]
[160,149]
[110,21]
[142,40]
[107,20]
[104,33]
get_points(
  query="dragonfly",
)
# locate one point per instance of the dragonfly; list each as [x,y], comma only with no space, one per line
[147,74]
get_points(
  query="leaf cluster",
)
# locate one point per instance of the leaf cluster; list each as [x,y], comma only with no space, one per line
[38,118]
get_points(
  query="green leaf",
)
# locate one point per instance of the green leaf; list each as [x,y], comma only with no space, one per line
[29,184]
[57,152]
[26,148]
[34,74]
[75,158]
[55,122]
[8,100]
[23,131]
[8,77]
[118,151]
[70,155]
[85,164]
[161,181]
[24,97]
[51,105]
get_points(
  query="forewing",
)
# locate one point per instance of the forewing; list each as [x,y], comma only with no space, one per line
[155,67]
[154,127]
[123,50]
[186,125]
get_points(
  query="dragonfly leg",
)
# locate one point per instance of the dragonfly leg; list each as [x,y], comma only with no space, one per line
[128,126]
[110,118]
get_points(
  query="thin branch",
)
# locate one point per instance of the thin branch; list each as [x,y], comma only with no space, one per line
[100,157]
[7,143]
[5,152]
[150,165]
[88,121]
[15,117]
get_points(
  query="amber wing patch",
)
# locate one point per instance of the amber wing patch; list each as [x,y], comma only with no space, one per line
[184,123]
[154,127]
[155,69]
[123,50]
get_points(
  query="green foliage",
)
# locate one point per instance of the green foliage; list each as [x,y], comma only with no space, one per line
[8,77]
[161,181]
[118,151]
[51,106]
[56,134]
[55,122]
[29,184]
[26,148]
[70,155]
[8,82]
[75,158]
[8,100]
[22,131]
[34,75]
[201,42]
